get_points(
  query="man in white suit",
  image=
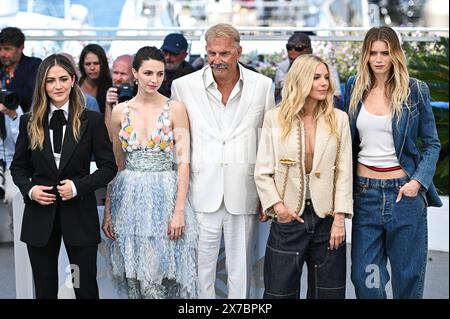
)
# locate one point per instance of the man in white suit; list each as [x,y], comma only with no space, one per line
[226,105]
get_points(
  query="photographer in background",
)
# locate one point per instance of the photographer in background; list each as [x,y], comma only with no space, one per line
[17,71]
[10,112]
[122,89]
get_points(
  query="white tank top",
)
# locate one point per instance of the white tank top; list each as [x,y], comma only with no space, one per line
[377,144]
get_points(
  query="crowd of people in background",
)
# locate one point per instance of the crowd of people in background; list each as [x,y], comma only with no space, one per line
[179,149]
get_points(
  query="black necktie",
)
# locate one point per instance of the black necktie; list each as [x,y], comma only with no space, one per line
[57,123]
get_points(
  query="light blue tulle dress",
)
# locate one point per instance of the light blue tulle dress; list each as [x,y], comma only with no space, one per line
[143,258]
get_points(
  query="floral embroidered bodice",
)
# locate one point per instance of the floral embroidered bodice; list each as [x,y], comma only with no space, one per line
[157,152]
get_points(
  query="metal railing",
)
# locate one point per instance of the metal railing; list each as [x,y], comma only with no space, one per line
[247,33]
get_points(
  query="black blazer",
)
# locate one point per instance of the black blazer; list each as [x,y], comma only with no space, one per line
[79,216]
[24,79]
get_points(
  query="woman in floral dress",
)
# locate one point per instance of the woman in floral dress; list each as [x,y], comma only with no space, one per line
[153,229]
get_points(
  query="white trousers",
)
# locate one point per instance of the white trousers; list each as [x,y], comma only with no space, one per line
[238,233]
[10,188]
[6,213]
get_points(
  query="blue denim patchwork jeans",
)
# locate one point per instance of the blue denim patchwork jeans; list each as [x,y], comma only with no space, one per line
[291,244]
[382,230]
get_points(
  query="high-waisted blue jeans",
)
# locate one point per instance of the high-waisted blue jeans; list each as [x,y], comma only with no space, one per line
[383,229]
[291,244]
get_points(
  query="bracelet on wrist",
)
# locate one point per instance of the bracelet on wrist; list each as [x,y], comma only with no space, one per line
[271,213]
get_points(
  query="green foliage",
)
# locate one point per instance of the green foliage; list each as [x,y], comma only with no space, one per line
[268,70]
[429,63]
[342,55]
[441,175]
[268,67]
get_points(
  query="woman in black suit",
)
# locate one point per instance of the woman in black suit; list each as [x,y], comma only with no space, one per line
[51,167]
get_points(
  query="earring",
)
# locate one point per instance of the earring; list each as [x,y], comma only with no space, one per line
[136,81]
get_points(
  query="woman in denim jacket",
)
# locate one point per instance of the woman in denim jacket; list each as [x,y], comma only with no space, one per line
[389,112]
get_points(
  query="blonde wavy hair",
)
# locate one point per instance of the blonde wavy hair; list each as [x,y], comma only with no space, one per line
[397,86]
[296,90]
[41,101]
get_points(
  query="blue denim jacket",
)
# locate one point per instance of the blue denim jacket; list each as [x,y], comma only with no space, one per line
[417,121]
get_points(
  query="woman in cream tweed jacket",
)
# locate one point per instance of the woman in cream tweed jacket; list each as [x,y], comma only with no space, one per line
[304,151]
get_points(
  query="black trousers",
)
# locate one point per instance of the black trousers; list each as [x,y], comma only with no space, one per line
[44,263]
[292,244]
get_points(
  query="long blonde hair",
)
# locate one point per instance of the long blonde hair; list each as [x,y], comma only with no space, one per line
[41,101]
[297,88]
[397,86]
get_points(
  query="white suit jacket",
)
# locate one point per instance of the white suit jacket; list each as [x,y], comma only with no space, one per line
[222,163]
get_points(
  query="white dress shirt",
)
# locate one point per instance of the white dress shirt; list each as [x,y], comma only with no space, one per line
[57,156]
[65,109]
[223,114]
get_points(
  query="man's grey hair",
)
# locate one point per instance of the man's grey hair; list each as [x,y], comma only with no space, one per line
[223,30]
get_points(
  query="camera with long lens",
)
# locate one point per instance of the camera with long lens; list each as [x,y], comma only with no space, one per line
[9,99]
[125,91]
